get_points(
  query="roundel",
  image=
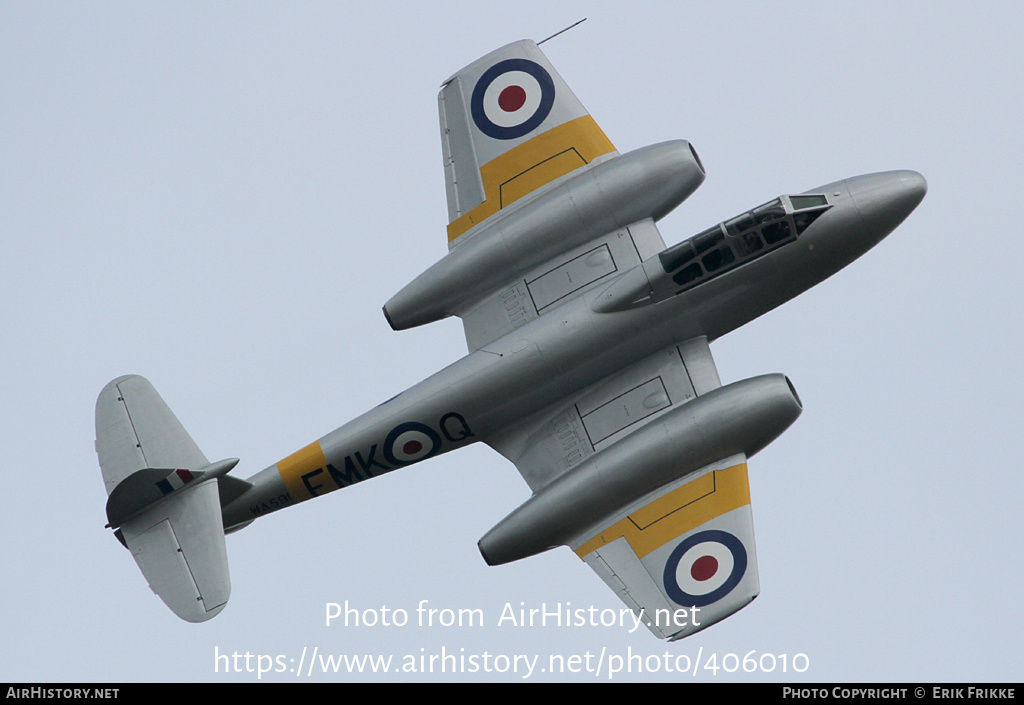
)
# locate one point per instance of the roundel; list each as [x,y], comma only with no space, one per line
[512,98]
[704,568]
[409,442]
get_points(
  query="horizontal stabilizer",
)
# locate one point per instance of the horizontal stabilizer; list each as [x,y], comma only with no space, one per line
[135,429]
[164,498]
[179,546]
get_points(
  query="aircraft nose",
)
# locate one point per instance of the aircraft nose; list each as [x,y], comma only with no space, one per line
[884,200]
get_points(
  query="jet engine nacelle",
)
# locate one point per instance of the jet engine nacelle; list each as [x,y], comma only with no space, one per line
[646,183]
[742,417]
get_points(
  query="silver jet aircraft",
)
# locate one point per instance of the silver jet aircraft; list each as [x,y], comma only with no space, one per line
[588,365]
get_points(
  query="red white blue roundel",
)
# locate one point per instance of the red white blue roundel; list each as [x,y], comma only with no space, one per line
[410,442]
[704,568]
[512,99]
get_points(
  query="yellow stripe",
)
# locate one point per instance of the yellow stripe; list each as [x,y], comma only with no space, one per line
[536,162]
[677,512]
[300,463]
[539,175]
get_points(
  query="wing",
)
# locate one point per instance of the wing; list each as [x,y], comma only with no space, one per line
[510,126]
[683,558]
[681,555]
[539,200]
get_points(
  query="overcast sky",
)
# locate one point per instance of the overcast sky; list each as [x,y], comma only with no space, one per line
[221,196]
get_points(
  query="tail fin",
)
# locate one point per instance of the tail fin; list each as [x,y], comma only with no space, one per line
[163,498]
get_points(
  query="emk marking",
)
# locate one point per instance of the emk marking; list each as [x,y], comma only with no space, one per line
[308,473]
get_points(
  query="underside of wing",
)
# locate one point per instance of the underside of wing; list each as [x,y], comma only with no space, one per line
[509,127]
[535,190]
[644,476]
[684,559]
[553,442]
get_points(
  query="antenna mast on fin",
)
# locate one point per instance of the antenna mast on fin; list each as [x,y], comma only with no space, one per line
[564,30]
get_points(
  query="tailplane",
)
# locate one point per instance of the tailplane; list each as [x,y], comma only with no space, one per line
[164,498]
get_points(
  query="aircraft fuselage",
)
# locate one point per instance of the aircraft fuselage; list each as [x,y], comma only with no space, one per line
[585,340]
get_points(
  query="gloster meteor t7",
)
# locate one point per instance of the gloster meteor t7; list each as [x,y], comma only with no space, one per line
[589,365]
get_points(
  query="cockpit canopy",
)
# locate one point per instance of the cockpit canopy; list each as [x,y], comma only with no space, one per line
[742,239]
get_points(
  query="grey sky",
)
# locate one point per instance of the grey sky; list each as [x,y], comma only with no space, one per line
[221,196]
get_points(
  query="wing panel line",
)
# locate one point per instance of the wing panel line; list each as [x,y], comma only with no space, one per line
[581,135]
[677,512]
